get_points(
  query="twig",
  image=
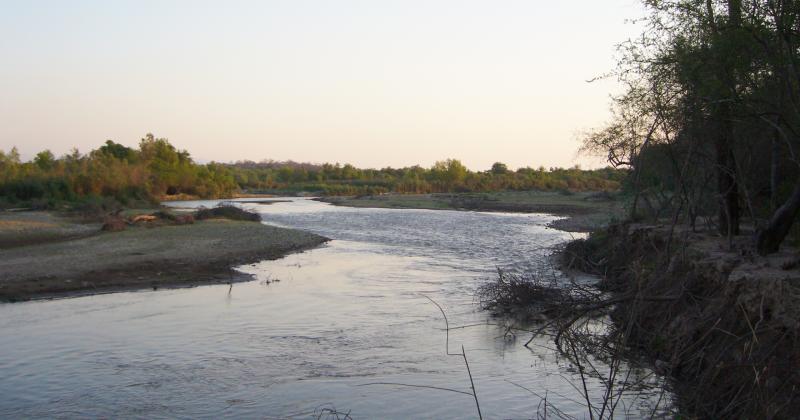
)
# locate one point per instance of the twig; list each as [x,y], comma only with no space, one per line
[583,382]
[472,383]
[463,354]
[447,326]
[543,399]
[417,386]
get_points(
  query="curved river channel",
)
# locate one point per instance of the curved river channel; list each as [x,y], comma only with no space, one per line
[343,327]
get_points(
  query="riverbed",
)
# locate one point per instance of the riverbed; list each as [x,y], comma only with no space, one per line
[346,327]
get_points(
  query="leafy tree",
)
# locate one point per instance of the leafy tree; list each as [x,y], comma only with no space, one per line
[45,160]
[499,168]
[119,151]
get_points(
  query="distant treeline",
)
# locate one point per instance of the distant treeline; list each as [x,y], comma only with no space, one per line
[445,176]
[157,170]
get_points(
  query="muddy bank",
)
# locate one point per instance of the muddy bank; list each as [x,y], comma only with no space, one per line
[582,212]
[138,258]
[723,322]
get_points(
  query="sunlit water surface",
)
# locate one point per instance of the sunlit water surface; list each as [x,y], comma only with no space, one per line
[336,328]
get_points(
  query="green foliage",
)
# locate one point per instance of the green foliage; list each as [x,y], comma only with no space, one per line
[119,151]
[499,168]
[113,171]
[157,170]
[44,160]
[445,176]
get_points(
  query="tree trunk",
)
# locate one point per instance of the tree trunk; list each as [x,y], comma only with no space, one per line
[775,155]
[727,186]
[774,179]
[769,239]
[735,13]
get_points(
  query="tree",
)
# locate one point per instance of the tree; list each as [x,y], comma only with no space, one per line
[713,90]
[44,160]
[499,168]
[450,172]
[119,151]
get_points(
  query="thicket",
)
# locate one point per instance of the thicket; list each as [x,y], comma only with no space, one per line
[157,170]
[444,176]
[709,122]
[113,171]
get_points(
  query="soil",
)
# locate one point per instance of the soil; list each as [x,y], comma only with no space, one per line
[721,320]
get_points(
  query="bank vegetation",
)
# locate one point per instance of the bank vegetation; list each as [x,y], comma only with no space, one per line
[157,170]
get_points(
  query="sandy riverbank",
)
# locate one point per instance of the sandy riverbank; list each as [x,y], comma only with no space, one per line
[583,212]
[60,263]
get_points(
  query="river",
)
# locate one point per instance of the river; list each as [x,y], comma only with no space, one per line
[344,327]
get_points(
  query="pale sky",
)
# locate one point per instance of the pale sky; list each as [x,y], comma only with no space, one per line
[373,83]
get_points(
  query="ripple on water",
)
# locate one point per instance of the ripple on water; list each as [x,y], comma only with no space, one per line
[342,324]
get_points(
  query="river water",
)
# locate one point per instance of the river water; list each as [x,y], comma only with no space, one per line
[344,327]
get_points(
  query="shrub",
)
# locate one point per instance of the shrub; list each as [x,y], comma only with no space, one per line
[227,211]
[95,206]
[114,224]
[511,292]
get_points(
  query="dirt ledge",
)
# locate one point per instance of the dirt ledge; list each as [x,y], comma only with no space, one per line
[728,328]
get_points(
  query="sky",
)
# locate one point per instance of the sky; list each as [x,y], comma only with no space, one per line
[374,83]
